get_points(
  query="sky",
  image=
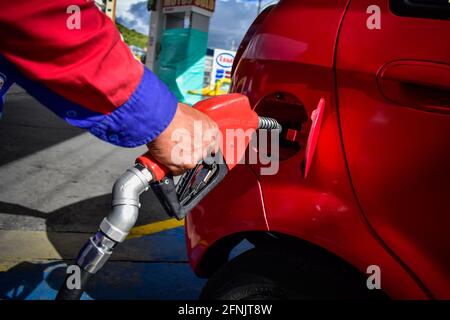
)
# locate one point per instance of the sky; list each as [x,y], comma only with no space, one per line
[227,26]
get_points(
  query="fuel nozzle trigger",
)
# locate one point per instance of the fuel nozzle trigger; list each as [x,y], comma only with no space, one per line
[179,198]
[230,112]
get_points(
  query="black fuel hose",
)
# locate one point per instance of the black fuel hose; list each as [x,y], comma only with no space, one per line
[65,293]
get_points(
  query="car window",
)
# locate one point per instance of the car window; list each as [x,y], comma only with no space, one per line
[432,9]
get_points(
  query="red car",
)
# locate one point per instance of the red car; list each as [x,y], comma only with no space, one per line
[369,200]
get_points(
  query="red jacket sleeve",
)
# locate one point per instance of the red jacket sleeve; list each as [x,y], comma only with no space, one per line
[90,67]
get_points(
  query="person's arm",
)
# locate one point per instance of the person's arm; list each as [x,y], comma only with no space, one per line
[87,76]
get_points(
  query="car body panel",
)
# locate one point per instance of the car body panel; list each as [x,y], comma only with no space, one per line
[396,133]
[234,206]
[292,53]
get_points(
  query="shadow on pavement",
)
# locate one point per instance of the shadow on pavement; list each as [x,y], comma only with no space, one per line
[117,280]
[23,125]
[84,216]
[15,286]
[168,276]
[29,129]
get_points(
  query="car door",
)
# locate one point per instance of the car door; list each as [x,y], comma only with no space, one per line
[393,88]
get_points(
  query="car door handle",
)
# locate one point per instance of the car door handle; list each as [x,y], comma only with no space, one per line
[416,84]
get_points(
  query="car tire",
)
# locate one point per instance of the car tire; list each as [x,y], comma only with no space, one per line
[271,274]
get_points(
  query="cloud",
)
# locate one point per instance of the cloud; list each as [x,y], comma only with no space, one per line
[228,25]
[133,14]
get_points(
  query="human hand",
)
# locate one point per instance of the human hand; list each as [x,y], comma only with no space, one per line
[188,139]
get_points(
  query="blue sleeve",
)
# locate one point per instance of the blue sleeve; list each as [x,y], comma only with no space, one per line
[147,112]
[6,82]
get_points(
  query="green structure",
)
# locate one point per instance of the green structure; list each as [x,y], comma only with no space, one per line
[182,62]
[177,44]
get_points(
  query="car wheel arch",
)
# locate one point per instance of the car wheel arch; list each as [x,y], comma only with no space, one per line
[218,253]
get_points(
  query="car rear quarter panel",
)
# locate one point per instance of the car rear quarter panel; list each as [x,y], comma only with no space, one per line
[234,206]
[293,52]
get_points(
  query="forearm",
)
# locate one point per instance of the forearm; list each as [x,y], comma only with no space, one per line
[87,76]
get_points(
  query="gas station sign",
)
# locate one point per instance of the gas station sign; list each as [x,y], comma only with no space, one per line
[222,65]
[209,5]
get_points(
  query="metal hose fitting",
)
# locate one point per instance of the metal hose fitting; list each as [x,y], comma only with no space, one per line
[125,202]
[116,226]
[113,229]
[269,124]
[95,253]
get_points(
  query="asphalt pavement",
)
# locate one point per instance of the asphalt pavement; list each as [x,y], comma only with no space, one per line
[55,188]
